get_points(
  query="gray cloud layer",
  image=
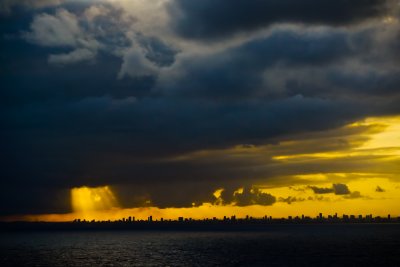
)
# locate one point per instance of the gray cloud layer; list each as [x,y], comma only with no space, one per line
[217,18]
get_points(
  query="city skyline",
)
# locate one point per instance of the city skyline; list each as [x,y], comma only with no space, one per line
[225,223]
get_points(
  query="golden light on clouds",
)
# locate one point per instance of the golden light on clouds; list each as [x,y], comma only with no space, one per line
[92,199]
[390,20]
[381,138]
[389,138]
[364,156]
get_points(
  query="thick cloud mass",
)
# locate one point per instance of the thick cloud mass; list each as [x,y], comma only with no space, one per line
[98,93]
[216,18]
[247,196]
[337,189]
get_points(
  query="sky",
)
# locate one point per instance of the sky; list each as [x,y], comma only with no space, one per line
[115,108]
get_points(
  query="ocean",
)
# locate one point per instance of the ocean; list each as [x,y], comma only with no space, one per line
[279,245]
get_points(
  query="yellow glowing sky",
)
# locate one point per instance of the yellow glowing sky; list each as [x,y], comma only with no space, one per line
[371,159]
[86,200]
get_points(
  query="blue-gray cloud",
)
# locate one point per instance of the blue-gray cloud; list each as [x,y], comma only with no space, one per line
[210,19]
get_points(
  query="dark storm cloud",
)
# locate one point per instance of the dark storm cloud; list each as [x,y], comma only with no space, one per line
[327,63]
[131,111]
[209,19]
[133,125]
[38,199]
[164,194]
[81,34]
[157,51]
[6,6]
[98,38]
[238,72]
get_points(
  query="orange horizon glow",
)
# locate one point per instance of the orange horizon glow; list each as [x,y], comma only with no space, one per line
[278,210]
[309,205]
[379,143]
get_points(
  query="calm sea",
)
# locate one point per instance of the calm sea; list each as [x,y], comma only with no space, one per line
[284,245]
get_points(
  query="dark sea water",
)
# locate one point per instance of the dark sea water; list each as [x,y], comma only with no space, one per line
[283,245]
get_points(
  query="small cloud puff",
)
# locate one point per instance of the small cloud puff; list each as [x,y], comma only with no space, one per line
[379,189]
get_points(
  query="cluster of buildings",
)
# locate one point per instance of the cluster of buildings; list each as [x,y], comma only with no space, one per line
[266,219]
